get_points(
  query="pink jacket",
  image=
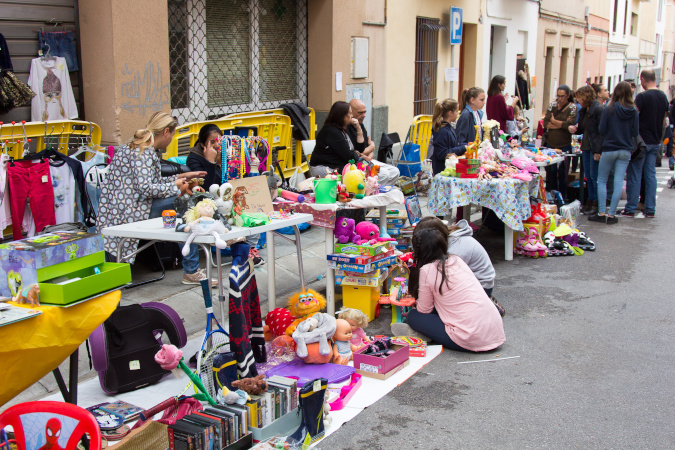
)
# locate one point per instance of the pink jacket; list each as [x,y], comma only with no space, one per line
[471,319]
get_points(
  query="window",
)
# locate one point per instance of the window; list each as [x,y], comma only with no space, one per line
[616,15]
[426,65]
[633,24]
[625,18]
[659,16]
[236,55]
[609,84]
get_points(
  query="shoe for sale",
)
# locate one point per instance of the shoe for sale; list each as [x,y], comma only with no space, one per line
[611,220]
[597,218]
[311,428]
[255,256]
[627,213]
[197,277]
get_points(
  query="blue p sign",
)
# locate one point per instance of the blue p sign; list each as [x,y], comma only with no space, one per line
[456,25]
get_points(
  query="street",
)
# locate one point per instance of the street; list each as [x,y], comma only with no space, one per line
[594,340]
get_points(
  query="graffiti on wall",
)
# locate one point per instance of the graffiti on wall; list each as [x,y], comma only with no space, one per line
[144,90]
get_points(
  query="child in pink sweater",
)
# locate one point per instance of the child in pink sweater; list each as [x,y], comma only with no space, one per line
[452,307]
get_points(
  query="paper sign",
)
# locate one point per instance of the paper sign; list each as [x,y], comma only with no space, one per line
[338,81]
[451,74]
[533,82]
[254,194]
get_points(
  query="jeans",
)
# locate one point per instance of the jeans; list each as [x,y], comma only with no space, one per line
[637,169]
[433,327]
[617,160]
[591,174]
[61,43]
[191,261]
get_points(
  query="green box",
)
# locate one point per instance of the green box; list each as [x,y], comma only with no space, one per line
[364,250]
[111,276]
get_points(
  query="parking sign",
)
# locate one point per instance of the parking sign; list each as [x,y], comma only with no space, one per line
[456,25]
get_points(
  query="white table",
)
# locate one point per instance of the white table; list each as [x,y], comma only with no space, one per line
[153,230]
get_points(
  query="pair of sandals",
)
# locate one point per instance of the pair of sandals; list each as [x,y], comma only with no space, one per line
[379,347]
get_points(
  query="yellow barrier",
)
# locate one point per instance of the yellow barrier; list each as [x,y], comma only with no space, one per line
[60,134]
[420,134]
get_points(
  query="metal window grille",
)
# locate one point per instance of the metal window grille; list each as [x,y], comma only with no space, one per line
[426,64]
[230,56]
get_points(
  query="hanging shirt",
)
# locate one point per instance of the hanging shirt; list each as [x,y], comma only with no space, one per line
[5,212]
[50,80]
[92,169]
[63,183]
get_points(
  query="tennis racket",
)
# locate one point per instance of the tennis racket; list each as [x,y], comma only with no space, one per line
[216,340]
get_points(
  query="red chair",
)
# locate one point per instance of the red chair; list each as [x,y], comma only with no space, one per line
[50,425]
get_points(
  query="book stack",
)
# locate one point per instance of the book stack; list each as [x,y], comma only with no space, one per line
[216,427]
[280,398]
[396,220]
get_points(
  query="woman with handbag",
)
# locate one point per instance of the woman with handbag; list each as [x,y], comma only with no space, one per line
[134,189]
[620,126]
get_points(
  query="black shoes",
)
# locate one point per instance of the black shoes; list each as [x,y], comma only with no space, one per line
[610,220]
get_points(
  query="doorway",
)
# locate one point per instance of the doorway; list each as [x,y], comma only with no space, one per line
[467,73]
[497,50]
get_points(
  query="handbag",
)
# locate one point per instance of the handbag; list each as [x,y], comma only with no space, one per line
[170,168]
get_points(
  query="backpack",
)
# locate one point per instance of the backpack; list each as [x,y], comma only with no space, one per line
[123,348]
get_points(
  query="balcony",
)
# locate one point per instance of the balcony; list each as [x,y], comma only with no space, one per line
[647,48]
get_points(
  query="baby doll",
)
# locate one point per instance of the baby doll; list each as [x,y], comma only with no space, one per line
[357,321]
[200,222]
[342,350]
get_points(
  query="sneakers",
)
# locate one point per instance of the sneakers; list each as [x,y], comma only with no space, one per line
[197,277]
[649,215]
[403,329]
[611,220]
[626,213]
[597,218]
[255,256]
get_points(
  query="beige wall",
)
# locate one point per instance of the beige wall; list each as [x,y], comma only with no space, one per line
[600,8]
[400,51]
[125,64]
[595,49]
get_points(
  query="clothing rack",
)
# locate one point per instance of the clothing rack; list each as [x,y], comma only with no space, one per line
[19,137]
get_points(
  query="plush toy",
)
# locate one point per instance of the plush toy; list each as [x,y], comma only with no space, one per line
[355,181]
[369,233]
[372,186]
[223,195]
[344,231]
[343,349]
[276,323]
[358,321]
[252,386]
[318,328]
[200,222]
[343,195]
[303,305]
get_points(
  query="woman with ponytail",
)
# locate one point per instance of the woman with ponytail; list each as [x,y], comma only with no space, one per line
[473,101]
[135,190]
[443,136]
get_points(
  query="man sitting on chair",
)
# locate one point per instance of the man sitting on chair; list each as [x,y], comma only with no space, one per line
[389,174]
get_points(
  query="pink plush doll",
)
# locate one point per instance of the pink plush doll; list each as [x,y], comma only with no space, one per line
[372,186]
[369,233]
[344,231]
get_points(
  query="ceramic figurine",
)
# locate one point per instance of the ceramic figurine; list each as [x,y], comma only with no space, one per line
[200,222]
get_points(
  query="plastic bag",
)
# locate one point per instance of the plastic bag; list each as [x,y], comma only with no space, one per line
[297,178]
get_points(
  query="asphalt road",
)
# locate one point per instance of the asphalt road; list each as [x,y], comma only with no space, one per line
[594,336]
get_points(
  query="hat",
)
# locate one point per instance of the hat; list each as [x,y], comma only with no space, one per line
[51,83]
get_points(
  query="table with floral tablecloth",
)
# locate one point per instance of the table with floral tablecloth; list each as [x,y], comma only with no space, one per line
[507,197]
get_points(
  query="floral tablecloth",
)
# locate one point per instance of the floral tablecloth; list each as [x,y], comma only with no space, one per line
[508,198]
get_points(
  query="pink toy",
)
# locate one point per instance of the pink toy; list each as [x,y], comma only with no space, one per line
[168,357]
[347,392]
[369,233]
[288,195]
[372,186]
[344,231]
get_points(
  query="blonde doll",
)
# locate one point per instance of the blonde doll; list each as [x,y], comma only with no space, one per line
[200,222]
[358,321]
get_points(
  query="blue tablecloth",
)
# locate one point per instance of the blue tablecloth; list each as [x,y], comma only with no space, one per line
[508,198]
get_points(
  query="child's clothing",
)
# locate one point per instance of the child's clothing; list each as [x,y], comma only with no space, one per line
[462,244]
[358,337]
[471,319]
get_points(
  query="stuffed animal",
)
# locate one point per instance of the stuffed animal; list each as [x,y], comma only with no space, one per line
[344,231]
[304,305]
[369,233]
[317,328]
[372,186]
[252,386]
[276,323]
[200,222]
[355,181]
[343,195]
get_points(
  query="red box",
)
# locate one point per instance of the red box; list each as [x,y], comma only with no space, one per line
[377,367]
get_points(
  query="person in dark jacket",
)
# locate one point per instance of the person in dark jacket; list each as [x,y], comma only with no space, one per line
[589,121]
[444,137]
[620,126]
[560,115]
[205,155]
[473,101]
[333,148]
[497,108]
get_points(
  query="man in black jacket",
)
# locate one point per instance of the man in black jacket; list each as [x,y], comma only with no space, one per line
[389,174]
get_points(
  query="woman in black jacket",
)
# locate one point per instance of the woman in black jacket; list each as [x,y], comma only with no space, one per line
[589,121]
[205,155]
[333,148]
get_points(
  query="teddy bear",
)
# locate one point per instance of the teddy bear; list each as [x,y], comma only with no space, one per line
[304,305]
[344,231]
[252,386]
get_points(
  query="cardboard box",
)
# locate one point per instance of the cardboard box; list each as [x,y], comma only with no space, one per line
[353,259]
[373,279]
[21,260]
[364,268]
[381,368]
[363,250]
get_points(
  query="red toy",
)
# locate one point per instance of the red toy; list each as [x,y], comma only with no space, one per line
[276,323]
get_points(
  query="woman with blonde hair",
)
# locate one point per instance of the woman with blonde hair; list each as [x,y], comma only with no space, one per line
[135,190]
[443,135]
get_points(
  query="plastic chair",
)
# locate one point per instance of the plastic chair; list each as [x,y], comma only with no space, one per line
[62,425]
[308,148]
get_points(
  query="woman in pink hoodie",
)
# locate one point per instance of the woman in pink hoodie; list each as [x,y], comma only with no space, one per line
[452,308]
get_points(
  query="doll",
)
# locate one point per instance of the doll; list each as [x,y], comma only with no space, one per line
[200,222]
[343,349]
[357,321]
